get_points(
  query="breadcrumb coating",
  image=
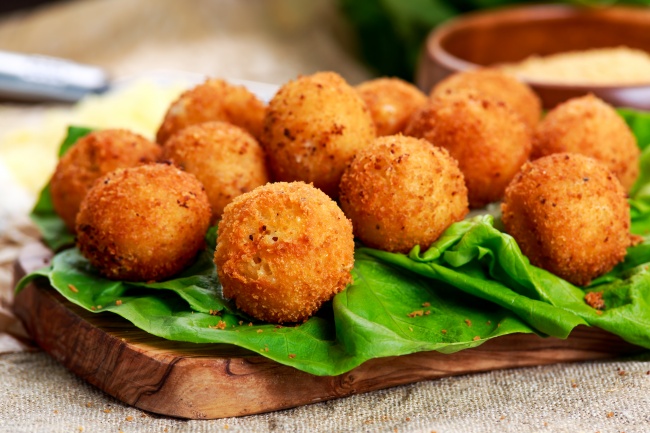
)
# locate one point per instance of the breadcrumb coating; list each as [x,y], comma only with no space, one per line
[569,215]
[143,223]
[489,141]
[226,159]
[495,85]
[90,158]
[283,249]
[391,102]
[213,100]
[401,192]
[313,127]
[589,126]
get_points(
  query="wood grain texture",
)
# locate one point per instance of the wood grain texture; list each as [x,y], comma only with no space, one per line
[215,380]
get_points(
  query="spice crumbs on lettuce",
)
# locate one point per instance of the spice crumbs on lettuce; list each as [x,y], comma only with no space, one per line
[468,322]
[292,355]
[416,313]
[444,331]
[73,288]
[595,300]
[476,338]
[118,302]
[426,304]
[220,325]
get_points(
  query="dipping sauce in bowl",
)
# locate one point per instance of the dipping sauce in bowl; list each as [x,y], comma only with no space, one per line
[521,36]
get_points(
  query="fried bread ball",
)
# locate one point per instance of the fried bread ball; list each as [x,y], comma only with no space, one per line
[589,126]
[401,192]
[90,158]
[227,160]
[489,141]
[498,86]
[313,127]
[569,215]
[143,223]
[391,102]
[282,250]
[213,100]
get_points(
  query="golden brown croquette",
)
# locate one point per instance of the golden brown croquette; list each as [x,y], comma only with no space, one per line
[227,160]
[495,85]
[143,223]
[391,102]
[282,250]
[213,100]
[489,141]
[591,127]
[313,127]
[90,158]
[569,215]
[401,192]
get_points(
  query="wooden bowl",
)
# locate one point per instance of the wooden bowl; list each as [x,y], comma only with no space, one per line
[513,34]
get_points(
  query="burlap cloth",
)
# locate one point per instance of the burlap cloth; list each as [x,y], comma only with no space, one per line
[38,395]
[270,41]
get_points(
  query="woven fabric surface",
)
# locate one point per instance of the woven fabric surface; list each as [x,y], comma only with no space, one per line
[38,395]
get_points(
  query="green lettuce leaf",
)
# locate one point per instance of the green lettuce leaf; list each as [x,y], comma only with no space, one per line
[487,263]
[639,123]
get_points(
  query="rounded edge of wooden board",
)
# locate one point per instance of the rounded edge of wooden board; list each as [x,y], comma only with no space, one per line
[200,381]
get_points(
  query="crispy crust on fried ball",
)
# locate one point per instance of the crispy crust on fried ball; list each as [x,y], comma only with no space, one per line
[226,159]
[402,192]
[591,127]
[213,100]
[391,102]
[313,127]
[282,250]
[92,157]
[569,215]
[496,85]
[143,223]
[489,141]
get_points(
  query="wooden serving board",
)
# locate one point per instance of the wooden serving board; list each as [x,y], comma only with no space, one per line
[199,380]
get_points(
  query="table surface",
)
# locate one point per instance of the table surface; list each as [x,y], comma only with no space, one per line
[280,39]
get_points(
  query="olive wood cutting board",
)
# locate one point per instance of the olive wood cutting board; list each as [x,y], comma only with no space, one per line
[190,380]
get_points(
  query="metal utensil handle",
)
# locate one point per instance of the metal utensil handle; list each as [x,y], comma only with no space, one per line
[40,78]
